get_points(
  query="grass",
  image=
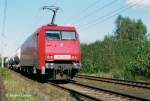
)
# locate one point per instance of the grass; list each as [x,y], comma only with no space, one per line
[14,90]
[20,88]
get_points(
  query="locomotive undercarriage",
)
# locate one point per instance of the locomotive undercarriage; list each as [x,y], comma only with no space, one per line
[53,70]
[61,70]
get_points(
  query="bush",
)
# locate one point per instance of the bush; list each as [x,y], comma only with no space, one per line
[141,65]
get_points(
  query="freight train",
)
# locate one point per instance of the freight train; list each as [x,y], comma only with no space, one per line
[51,52]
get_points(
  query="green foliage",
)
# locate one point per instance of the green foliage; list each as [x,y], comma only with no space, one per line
[103,56]
[141,64]
[127,29]
[94,56]
[123,55]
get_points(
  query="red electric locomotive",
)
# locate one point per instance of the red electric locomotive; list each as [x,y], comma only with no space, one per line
[52,52]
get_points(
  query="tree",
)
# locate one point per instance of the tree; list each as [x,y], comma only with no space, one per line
[130,29]
[141,65]
[121,55]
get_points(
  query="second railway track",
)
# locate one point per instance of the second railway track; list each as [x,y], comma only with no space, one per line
[117,81]
[97,94]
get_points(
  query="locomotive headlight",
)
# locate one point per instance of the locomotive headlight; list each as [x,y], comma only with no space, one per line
[49,57]
[50,65]
[74,57]
[77,65]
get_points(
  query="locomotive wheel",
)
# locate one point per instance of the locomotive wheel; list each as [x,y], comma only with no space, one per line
[40,77]
[43,78]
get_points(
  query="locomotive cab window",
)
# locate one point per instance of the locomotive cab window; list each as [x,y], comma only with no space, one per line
[53,35]
[61,35]
[67,35]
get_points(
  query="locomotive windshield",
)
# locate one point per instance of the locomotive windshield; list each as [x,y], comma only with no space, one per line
[67,35]
[53,35]
[60,35]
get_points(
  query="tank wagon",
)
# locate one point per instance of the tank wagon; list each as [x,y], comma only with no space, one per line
[52,52]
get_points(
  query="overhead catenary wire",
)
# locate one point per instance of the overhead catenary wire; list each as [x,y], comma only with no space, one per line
[84,10]
[108,16]
[95,11]
[90,6]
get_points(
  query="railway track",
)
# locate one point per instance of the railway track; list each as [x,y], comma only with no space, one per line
[74,91]
[97,94]
[117,81]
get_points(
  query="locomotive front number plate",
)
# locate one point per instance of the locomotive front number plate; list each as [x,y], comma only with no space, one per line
[62,57]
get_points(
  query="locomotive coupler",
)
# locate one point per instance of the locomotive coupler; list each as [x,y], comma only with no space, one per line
[61,70]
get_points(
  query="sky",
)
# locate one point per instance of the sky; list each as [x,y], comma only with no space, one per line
[93,18]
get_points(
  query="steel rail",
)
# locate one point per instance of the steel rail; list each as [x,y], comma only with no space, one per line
[76,92]
[117,81]
[112,92]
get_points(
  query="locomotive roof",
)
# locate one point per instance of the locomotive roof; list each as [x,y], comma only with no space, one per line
[54,27]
